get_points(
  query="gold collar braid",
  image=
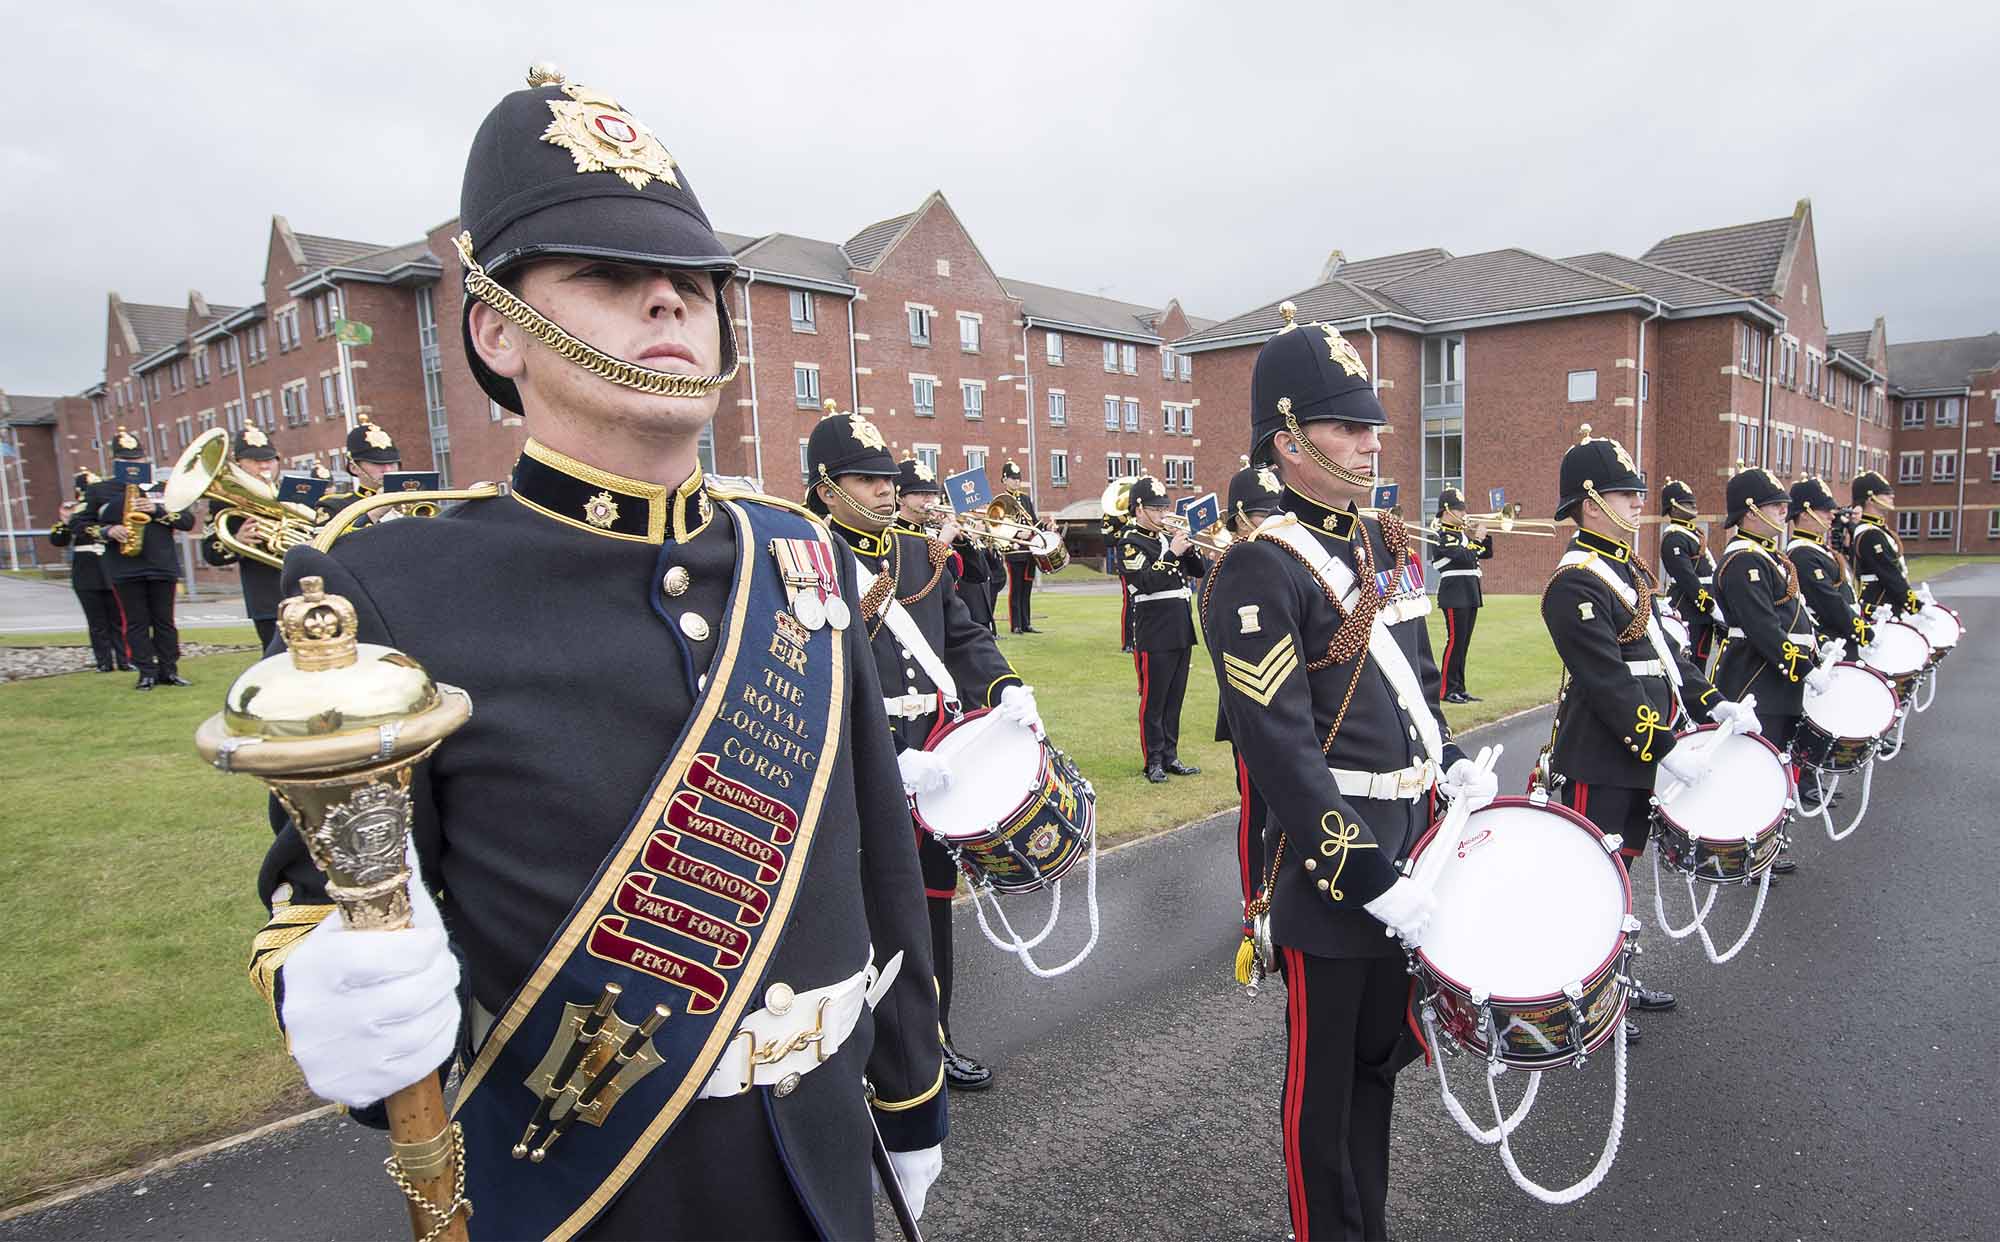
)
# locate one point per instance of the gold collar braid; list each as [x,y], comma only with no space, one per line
[582,353]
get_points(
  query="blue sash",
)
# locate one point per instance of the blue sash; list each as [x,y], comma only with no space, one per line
[686,911]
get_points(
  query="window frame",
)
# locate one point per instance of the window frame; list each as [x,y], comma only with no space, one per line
[919,319]
[1948,460]
[1909,524]
[919,407]
[967,319]
[975,410]
[1052,347]
[1111,357]
[1128,359]
[809,322]
[1058,407]
[1058,467]
[1941,524]
[1571,385]
[808,397]
[1910,466]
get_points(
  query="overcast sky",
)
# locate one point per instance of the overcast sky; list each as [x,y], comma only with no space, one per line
[1213,152]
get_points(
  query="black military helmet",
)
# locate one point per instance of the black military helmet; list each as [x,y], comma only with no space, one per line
[251,444]
[1749,489]
[914,478]
[1308,373]
[126,447]
[1255,491]
[1011,472]
[1866,484]
[1811,493]
[561,169]
[844,444]
[1677,499]
[371,443]
[83,479]
[1450,498]
[1146,490]
[1595,464]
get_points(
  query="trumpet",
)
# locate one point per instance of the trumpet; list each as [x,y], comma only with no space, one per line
[206,471]
[999,533]
[1510,522]
[1117,503]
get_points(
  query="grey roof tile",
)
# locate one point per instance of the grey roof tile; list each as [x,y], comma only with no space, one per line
[1918,365]
[1744,257]
[1496,282]
[866,247]
[736,241]
[25,410]
[1853,344]
[1084,309]
[1388,267]
[1332,302]
[156,326]
[1676,289]
[322,252]
[793,255]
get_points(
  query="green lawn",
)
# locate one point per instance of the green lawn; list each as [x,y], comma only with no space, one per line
[1922,567]
[128,869]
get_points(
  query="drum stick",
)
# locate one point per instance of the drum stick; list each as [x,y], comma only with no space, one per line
[1452,829]
[1722,733]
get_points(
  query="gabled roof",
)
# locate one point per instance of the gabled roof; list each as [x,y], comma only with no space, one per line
[1331,302]
[1921,366]
[155,327]
[865,249]
[1672,287]
[317,252]
[792,255]
[1497,282]
[1085,310]
[735,241]
[21,410]
[389,258]
[1380,271]
[1745,257]
[1853,344]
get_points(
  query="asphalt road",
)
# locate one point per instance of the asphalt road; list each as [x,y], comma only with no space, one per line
[29,607]
[1837,1080]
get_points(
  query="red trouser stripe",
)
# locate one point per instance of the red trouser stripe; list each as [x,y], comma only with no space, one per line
[1450,641]
[124,626]
[1295,1090]
[1140,662]
[1243,828]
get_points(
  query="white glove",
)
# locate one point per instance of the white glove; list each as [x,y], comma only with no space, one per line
[1687,764]
[1743,713]
[1924,593]
[1831,650]
[1406,907]
[367,1013]
[1818,680]
[1715,612]
[915,1171]
[1465,779]
[1017,703]
[922,772]
[1884,614]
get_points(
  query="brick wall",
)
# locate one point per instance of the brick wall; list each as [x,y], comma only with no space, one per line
[779,414]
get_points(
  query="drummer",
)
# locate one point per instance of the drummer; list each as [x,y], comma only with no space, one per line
[1689,569]
[927,646]
[1624,682]
[1254,492]
[1882,574]
[1822,571]
[1771,650]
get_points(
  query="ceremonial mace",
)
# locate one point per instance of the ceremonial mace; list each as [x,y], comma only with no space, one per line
[335,727]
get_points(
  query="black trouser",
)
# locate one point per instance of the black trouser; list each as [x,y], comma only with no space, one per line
[1458,624]
[267,629]
[1020,586]
[940,883]
[107,625]
[1781,731]
[1618,809]
[1124,618]
[1343,1019]
[1162,685]
[150,633]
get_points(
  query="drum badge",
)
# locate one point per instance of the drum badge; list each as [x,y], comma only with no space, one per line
[602,137]
[1044,843]
[601,511]
[1247,622]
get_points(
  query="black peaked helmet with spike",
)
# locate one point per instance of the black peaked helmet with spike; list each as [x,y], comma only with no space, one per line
[1867,485]
[1811,493]
[914,478]
[1594,464]
[1308,373]
[372,443]
[561,169]
[1751,488]
[1254,491]
[844,444]
[1677,499]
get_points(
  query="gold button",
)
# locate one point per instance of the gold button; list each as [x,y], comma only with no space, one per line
[694,627]
[778,998]
[1323,886]
[676,581]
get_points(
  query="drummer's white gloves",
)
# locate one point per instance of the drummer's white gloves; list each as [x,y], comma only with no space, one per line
[1686,764]
[1017,703]
[1715,613]
[1743,713]
[1884,614]
[1924,593]
[915,1171]
[1406,907]
[367,1013]
[1818,680]
[1830,651]
[922,771]
[1465,779]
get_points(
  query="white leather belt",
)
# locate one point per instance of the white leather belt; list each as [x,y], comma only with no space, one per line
[1801,639]
[910,706]
[1708,580]
[94,549]
[794,1033]
[1459,573]
[1646,668]
[1406,784]
[1869,578]
[1404,609]
[1176,593]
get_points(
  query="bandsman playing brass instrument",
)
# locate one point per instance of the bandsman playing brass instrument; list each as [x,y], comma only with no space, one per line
[87,578]
[128,517]
[1157,565]
[371,454]
[1020,562]
[252,450]
[677,779]
[1881,574]
[1455,557]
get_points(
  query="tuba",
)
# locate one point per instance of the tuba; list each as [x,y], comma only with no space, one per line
[206,470]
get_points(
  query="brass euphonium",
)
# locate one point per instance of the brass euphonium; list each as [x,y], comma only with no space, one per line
[207,471]
[335,728]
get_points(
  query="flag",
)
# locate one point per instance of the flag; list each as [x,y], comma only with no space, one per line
[352,332]
[969,490]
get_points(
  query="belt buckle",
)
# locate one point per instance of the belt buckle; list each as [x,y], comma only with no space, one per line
[1412,781]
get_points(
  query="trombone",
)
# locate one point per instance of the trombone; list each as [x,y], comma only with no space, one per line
[999,533]
[1117,503]
[1506,521]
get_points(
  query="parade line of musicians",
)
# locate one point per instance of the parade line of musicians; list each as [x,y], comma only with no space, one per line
[582,609]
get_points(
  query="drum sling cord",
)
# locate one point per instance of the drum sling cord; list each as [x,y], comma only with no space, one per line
[1829,785]
[1700,907]
[1019,947]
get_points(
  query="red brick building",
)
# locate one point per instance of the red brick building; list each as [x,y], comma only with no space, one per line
[1943,397]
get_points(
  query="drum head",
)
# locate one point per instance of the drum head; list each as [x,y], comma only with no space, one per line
[1898,650]
[994,765]
[1940,626]
[1859,704]
[1675,629]
[1745,792]
[1535,903]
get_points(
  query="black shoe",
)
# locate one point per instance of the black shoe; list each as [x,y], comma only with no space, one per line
[174,679]
[107,668]
[145,682]
[1157,774]
[1649,999]
[1031,630]
[124,667]
[1784,865]
[1457,698]
[1176,768]
[962,1073]
[1631,1031]
[1470,698]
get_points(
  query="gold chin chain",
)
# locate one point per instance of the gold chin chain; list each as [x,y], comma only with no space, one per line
[1320,459]
[1630,528]
[582,353]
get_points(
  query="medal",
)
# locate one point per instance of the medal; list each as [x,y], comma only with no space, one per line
[806,606]
[837,612]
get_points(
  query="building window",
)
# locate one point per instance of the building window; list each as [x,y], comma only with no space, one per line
[1053,344]
[972,394]
[920,325]
[328,386]
[1947,412]
[923,396]
[1909,467]
[1132,463]
[1111,356]
[185,426]
[805,471]
[259,343]
[1171,467]
[1131,416]
[1129,359]
[1993,467]
[176,376]
[1111,413]
[1187,420]
[1058,408]
[1582,386]
[802,311]
[1944,466]
[1993,523]
[1113,466]
[1941,523]
[1059,468]
[232,416]
[200,366]
[1167,419]
[1166,363]
[975,457]
[1444,373]
[968,333]
[1907,524]
[805,385]
[1186,365]
[928,455]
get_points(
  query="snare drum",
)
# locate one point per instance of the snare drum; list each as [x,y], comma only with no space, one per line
[1727,827]
[1017,813]
[1940,627]
[1533,930]
[1900,652]
[1677,630]
[1843,723]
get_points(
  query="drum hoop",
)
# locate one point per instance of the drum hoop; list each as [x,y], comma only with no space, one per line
[1891,626]
[1777,821]
[1438,974]
[1895,701]
[1003,824]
